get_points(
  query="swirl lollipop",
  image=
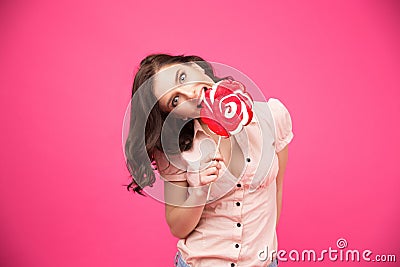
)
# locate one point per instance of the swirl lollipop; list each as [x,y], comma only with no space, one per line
[226,109]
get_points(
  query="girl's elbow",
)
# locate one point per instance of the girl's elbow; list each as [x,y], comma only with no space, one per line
[178,233]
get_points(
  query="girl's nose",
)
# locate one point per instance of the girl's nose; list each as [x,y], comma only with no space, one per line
[191,92]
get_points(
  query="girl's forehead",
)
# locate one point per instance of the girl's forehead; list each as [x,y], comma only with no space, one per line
[165,78]
[168,77]
[167,72]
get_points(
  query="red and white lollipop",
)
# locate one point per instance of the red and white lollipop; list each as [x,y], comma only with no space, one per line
[226,108]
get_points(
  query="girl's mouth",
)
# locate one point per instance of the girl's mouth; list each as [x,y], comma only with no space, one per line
[201,97]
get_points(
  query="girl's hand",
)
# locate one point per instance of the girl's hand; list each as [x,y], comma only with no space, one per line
[209,169]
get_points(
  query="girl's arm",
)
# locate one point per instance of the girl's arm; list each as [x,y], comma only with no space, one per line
[282,158]
[182,212]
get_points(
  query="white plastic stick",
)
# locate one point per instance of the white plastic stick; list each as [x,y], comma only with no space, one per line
[216,151]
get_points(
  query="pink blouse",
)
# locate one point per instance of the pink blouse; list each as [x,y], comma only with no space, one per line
[239,221]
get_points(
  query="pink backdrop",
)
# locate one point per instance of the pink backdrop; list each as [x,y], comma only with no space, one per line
[66,75]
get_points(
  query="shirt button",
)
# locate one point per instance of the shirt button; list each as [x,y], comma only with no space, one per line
[248,159]
[238,224]
[237,203]
[239,185]
[232,264]
[236,245]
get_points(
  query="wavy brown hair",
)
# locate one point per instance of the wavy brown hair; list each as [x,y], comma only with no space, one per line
[146,114]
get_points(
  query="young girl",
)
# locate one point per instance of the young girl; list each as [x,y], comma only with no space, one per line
[222,201]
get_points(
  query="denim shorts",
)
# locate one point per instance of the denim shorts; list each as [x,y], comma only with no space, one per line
[179,262]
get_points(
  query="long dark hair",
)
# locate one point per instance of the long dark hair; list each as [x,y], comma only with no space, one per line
[146,114]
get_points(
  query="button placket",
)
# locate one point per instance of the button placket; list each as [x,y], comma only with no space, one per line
[237,208]
[240,193]
[237,229]
[237,247]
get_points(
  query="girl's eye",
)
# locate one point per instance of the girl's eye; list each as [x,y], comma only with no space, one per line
[174,101]
[182,77]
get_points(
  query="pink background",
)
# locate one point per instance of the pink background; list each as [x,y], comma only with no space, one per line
[66,76]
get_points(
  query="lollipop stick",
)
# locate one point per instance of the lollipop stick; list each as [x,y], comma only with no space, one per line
[219,142]
[216,151]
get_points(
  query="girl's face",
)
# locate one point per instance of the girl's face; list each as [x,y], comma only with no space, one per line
[178,89]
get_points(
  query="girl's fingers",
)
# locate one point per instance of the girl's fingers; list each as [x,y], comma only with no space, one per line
[209,175]
[216,164]
[210,171]
[218,157]
[212,157]
[208,179]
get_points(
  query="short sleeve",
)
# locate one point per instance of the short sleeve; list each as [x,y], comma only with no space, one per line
[283,124]
[169,171]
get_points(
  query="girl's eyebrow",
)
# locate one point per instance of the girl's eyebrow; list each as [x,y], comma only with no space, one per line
[177,76]
[169,101]
[176,82]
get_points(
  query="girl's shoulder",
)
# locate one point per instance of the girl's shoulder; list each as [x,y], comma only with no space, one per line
[282,121]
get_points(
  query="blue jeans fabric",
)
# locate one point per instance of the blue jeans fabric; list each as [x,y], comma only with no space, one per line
[179,262]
